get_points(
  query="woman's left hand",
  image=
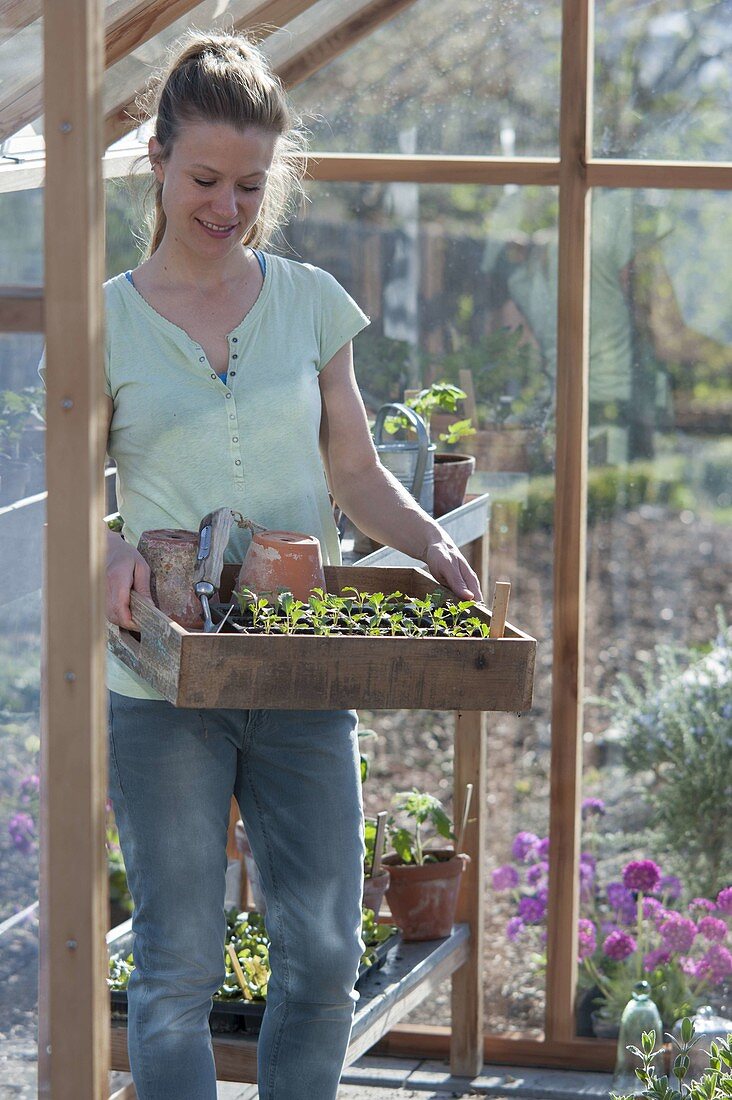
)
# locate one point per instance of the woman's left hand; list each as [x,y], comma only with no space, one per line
[448,566]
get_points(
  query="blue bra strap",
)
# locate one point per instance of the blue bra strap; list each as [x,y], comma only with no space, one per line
[262,261]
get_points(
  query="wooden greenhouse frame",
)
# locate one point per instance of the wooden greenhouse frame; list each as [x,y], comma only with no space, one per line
[74,1042]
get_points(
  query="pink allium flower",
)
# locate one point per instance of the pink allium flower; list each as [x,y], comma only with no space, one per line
[622,901]
[537,872]
[587,938]
[592,806]
[619,945]
[653,910]
[532,910]
[713,929]
[655,958]
[514,928]
[22,832]
[588,859]
[677,933]
[724,900]
[689,966]
[542,848]
[524,846]
[641,875]
[715,964]
[505,878]
[702,903]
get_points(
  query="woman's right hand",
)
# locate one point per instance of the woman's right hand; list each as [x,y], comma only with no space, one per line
[127,570]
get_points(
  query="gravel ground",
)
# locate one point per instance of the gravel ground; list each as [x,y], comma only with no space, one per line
[676,570]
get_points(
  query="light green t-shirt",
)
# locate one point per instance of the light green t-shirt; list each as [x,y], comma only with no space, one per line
[186,443]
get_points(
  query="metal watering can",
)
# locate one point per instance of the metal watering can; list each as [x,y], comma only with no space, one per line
[411,463]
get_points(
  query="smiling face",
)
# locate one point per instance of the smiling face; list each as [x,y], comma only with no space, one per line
[213,183]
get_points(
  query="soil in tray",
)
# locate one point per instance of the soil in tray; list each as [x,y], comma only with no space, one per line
[233,1015]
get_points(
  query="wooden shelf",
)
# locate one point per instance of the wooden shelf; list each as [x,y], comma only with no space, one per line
[411,972]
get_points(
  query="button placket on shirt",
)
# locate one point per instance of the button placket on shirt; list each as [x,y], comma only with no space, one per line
[235,449]
[233,418]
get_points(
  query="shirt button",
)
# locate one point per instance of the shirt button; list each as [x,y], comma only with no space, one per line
[235,356]
[232,373]
[228,396]
[213,376]
[232,416]
[237,462]
[234,339]
[235,439]
[202,359]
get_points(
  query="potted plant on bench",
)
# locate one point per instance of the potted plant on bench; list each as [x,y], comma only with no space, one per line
[437,405]
[425,878]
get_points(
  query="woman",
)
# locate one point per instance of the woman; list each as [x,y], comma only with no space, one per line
[230,383]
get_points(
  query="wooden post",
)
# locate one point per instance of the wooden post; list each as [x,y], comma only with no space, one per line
[466,1039]
[73,1001]
[570,519]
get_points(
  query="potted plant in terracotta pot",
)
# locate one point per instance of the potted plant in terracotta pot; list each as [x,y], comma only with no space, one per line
[438,407]
[425,877]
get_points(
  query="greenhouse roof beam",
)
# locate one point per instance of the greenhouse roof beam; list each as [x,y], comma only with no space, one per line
[311,40]
[262,19]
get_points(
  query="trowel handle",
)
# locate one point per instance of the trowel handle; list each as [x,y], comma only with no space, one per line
[213,540]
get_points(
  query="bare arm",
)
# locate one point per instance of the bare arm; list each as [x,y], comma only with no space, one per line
[126,568]
[369,494]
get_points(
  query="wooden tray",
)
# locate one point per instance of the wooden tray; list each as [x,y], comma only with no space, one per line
[192,669]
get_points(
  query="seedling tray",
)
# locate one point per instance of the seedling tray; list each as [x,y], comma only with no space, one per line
[241,1015]
[192,669]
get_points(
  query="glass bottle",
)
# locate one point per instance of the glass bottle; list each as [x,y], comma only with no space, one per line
[639,1015]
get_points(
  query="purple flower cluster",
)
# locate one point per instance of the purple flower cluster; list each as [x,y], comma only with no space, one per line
[639,912]
[587,939]
[619,945]
[22,831]
[678,933]
[642,875]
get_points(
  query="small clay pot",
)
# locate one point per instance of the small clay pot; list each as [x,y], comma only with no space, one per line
[283,559]
[423,898]
[171,555]
[374,888]
[452,472]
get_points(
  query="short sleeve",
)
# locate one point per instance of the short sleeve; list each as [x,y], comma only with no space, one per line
[42,371]
[340,317]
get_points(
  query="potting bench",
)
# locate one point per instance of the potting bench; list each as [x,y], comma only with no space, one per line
[415,970]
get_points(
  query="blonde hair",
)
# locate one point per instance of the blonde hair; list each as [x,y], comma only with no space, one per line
[225,78]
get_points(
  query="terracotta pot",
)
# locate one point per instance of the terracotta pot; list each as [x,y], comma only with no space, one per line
[452,472]
[171,555]
[242,843]
[283,559]
[423,899]
[374,888]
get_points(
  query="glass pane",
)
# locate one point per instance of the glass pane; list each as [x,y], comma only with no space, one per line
[21,539]
[472,78]
[128,77]
[21,254]
[658,760]
[663,80]
[463,279]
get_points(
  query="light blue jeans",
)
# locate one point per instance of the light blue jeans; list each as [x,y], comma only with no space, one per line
[295,775]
